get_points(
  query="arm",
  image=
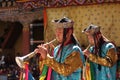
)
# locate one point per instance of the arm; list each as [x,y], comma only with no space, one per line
[72,63]
[109,60]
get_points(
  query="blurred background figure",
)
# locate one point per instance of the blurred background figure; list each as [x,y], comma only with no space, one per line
[101,55]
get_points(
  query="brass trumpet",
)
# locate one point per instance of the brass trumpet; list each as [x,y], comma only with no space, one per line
[20,60]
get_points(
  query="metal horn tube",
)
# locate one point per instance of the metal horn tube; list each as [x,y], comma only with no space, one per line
[20,60]
[88,46]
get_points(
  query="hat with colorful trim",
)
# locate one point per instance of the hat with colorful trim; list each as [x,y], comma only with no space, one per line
[91,29]
[63,23]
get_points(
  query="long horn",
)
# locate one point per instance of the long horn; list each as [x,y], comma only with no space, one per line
[20,60]
[88,46]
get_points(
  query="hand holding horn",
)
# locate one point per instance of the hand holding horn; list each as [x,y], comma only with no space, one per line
[20,60]
[86,51]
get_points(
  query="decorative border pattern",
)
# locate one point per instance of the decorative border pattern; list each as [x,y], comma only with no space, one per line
[60,3]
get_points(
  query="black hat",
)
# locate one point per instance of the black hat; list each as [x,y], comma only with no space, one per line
[91,29]
[63,23]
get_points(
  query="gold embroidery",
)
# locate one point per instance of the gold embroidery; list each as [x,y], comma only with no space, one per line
[72,63]
[111,54]
[41,65]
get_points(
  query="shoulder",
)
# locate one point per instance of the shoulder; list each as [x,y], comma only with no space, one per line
[75,48]
[109,45]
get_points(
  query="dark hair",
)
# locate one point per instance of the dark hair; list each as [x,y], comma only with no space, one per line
[98,46]
[64,39]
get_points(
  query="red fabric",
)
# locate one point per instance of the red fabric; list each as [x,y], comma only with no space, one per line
[49,73]
[50,69]
[26,71]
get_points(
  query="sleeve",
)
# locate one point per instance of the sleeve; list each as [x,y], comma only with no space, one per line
[71,63]
[42,62]
[109,60]
[41,65]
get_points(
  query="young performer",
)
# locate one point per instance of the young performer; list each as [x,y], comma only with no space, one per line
[102,55]
[68,59]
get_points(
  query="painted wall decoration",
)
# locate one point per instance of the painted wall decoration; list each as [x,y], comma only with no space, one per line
[105,15]
[24,4]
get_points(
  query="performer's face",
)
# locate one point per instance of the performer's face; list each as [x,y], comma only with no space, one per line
[90,39]
[59,34]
